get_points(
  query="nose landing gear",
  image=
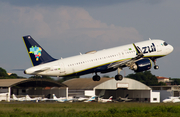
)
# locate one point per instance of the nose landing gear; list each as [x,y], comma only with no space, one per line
[155,66]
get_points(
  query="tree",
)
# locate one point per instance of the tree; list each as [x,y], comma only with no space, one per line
[3,73]
[145,77]
[161,84]
[13,75]
[176,81]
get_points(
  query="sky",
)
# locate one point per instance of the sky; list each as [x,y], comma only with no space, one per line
[66,28]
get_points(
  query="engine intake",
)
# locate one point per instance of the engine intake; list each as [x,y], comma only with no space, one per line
[142,65]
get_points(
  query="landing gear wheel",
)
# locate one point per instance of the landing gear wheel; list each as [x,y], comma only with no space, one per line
[156,67]
[96,78]
[118,77]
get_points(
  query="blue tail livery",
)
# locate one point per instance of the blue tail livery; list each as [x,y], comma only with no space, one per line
[36,53]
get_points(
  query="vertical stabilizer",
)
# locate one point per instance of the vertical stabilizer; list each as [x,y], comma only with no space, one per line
[14,96]
[36,53]
[54,97]
[110,98]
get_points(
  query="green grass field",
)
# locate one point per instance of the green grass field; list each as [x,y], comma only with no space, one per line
[30,109]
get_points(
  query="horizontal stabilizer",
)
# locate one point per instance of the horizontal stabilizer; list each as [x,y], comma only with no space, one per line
[42,70]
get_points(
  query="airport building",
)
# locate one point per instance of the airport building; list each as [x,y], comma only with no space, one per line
[33,87]
[106,87]
[79,87]
[167,91]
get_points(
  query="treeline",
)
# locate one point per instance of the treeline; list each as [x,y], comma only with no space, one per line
[146,77]
[4,75]
[176,81]
[149,79]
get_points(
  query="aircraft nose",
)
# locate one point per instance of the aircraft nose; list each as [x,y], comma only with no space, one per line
[170,49]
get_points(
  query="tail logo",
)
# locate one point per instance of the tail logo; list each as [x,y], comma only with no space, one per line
[36,51]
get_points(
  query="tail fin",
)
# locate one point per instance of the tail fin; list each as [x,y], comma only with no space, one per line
[36,53]
[127,96]
[92,98]
[54,97]
[14,96]
[27,97]
[110,98]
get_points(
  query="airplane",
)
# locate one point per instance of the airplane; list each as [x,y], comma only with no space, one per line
[61,99]
[91,99]
[17,99]
[52,99]
[81,99]
[137,56]
[171,99]
[126,99]
[176,100]
[28,98]
[106,100]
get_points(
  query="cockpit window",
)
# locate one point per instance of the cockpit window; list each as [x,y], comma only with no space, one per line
[165,44]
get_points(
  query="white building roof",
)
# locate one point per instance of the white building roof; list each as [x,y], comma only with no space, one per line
[104,83]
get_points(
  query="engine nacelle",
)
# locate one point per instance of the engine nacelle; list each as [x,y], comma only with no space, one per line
[142,65]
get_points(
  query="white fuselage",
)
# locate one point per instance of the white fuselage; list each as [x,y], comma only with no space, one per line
[88,63]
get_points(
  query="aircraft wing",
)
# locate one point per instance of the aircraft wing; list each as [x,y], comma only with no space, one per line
[130,62]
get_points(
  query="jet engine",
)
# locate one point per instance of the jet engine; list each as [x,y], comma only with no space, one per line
[142,65]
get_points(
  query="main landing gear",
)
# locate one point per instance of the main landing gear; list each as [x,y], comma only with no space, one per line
[96,77]
[119,76]
[155,66]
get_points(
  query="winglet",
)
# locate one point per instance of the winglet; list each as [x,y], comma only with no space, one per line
[138,50]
